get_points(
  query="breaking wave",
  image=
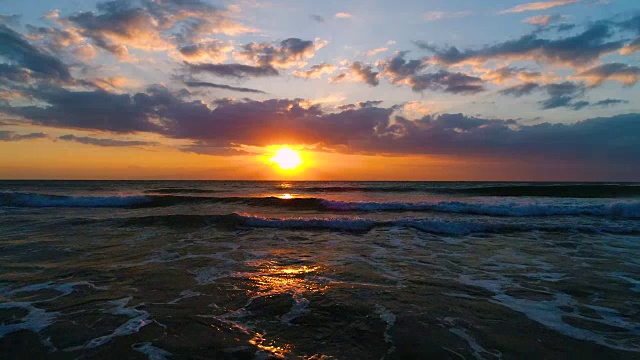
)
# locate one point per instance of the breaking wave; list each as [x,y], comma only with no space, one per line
[629,209]
[486,189]
[236,221]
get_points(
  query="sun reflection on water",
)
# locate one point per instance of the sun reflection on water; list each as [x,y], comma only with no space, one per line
[273,278]
[270,346]
[277,279]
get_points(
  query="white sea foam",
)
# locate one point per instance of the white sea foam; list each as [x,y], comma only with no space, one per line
[479,352]
[43,200]
[36,319]
[390,319]
[620,209]
[549,314]
[152,352]
[299,308]
[138,320]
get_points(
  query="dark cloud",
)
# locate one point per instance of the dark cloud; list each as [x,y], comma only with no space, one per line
[592,141]
[208,51]
[398,69]
[559,95]
[520,90]
[105,142]
[443,80]
[22,55]
[286,53]
[365,72]
[205,148]
[367,128]
[13,136]
[402,72]
[626,74]
[317,18]
[633,25]
[94,110]
[358,71]
[362,105]
[577,50]
[222,86]
[237,71]
[562,95]
[609,102]
[12,20]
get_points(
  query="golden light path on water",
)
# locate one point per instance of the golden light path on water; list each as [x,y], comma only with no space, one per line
[271,279]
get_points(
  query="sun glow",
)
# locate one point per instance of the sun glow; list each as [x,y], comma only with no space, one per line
[287,158]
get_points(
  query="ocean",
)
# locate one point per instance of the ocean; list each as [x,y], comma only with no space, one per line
[319,270]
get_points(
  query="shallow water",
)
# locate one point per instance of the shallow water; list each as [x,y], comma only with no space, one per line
[164,270]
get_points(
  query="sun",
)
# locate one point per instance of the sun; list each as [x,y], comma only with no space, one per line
[287,158]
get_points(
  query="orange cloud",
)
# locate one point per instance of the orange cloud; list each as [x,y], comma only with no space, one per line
[536,6]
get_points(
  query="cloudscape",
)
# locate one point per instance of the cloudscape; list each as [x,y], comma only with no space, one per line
[430,90]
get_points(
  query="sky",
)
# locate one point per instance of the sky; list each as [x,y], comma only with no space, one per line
[364,90]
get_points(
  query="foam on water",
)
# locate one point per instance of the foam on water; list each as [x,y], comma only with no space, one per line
[138,320]
[479,352]
[618,209]
[36,320]
[152,352]
[550,314]
[43,200]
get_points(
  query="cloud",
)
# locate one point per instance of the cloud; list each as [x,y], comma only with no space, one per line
[93,110]
[410,72]
[361,105]
[543,20]
[237,71]
[110,83]
[520,90]
[358,72]
[210,51]
[87,140]
[51,15]
[22,55]
[633,25]
[441,15]
[152,24]
[576,51]
[507,73]
[376,51]
[343,15]
[367,128]
[86,52]
[56,39]
[120,25]
[222,86]
[559,95]
[204,148]
[13,136]
[316,71]
[317,18]
[626,74]
[12,20]
[285,54]
[562,95]
[443,80]
[364,73]
[537,6]
[609,102]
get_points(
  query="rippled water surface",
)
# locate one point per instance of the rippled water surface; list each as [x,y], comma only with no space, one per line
[322,270]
